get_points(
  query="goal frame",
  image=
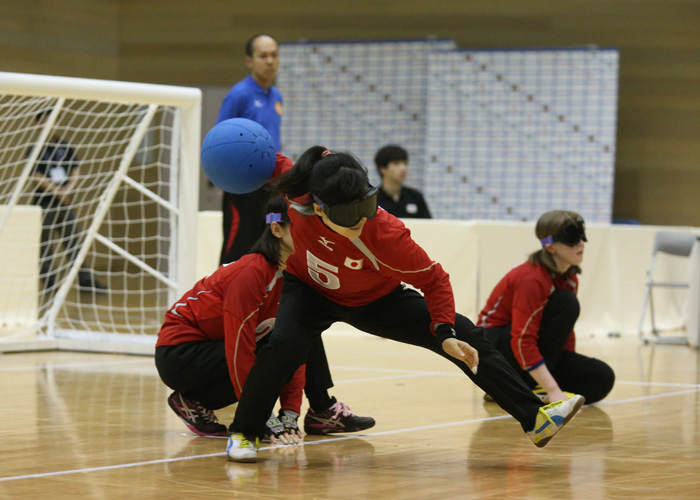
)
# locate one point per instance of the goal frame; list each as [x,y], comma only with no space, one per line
[186,142]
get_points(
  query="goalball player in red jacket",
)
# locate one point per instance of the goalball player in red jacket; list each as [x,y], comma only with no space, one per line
[349,263]
[531,313]
[209,340]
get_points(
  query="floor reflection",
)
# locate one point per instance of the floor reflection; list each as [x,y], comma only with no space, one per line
[519,469]
[318,467]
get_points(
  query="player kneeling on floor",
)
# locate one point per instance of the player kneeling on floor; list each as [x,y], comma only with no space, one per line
[211,336]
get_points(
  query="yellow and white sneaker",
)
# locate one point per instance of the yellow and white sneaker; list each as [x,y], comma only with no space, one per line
[552,417]
[542,394]
[241,448]
[537,391]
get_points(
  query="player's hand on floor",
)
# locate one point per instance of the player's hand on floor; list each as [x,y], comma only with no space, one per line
[292,437]
[284,429]
[462,351]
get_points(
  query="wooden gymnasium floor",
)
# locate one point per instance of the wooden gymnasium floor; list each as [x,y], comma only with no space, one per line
[97,426]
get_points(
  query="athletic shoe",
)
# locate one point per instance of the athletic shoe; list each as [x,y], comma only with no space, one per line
[552,417]
[241,448]
[537,391]
[197,418]
[337,418]
[542,394]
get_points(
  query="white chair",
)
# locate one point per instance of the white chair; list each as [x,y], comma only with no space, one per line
[672,243]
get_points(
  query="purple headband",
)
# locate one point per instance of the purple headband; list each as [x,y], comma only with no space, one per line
[273,217]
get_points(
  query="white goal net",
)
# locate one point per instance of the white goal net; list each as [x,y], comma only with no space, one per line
[98,210]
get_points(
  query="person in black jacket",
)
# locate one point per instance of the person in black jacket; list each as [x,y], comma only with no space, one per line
[397,199]
[55,176]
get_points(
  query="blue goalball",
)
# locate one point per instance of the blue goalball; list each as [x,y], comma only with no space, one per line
[238,155]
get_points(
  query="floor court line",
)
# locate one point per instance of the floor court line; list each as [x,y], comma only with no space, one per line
[210,455]
[655,384]
[392,377]
[400,373]
[382,370]
[418,373]
[323,441]
[649,397]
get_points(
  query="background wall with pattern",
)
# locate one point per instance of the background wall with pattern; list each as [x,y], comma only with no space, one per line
[657,175]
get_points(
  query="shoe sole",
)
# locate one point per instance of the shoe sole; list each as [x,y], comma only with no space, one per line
[334,430]
[323,432]
[571,415]
[204,434]
[242,460]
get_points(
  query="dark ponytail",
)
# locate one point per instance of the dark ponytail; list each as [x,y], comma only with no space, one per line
[295,182]
[334,178]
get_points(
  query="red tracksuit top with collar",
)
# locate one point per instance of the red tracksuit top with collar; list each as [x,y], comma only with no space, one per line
[237,304]
[355,272]
[519,300]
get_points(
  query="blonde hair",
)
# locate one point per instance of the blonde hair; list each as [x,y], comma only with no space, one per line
[549,224]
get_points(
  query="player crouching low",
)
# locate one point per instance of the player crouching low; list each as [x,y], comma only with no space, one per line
[211,336]
[350,261]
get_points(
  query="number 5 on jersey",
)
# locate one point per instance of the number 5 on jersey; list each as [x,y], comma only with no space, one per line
[322,272]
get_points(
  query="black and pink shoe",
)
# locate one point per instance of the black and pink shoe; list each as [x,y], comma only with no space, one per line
[337,418]
[196,417]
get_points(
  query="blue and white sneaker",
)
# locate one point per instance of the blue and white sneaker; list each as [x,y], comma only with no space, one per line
[552,417]
[241,448]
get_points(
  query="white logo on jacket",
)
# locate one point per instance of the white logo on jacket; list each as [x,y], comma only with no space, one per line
[264,328]
[326,243]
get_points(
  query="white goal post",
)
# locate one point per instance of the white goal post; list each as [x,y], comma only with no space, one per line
[99,184]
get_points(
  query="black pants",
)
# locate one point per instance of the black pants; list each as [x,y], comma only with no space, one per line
[58,220]
[243,222]
[574,372]
[199,371]
[402,315]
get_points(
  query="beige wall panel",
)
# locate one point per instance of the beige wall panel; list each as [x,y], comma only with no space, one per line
[476,258]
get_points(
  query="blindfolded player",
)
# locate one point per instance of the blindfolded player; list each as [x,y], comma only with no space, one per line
[210,337]
[530,315]
[349,263]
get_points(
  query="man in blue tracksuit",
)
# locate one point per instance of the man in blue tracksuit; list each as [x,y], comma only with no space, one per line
[257,99]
